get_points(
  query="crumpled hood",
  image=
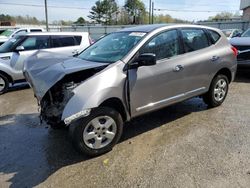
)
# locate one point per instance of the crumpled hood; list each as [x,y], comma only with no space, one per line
[44,69]
[240,41]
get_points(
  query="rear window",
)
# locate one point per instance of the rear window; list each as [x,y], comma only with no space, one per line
[214,36]
[63,41]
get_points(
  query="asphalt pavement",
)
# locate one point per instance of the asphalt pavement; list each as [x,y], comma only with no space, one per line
[184,145]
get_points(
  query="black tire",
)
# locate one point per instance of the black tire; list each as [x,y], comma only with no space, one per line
[78,127]
[6,83]
[58,126]
[209,98]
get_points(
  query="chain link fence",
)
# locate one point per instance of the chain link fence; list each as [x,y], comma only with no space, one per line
[98,31]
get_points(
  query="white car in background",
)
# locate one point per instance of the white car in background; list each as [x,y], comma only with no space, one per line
[231,33]
[9,33]
[16,50]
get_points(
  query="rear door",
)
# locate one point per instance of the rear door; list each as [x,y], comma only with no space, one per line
[198,60]
[66,44]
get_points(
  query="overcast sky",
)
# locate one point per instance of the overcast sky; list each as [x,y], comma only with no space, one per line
[83,7]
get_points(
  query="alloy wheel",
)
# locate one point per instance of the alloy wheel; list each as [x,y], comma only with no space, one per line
[99,132]
[220,90]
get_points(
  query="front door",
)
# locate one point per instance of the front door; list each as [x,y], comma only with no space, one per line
[30,45]
[153,87]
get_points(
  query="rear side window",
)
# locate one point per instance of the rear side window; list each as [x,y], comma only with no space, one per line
[194,39]
[214,35]
[164,45]
[78,39]
[63,41]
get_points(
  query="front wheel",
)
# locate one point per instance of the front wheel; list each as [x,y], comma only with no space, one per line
[217,92]
[4,84]
[97,133]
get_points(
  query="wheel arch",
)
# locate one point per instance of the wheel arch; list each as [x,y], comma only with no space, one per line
[226,72]
[7,76]
[116,104]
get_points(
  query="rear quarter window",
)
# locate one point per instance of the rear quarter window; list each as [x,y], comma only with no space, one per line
[214,36]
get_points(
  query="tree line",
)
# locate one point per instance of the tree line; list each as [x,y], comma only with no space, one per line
[132,12]
[107,12]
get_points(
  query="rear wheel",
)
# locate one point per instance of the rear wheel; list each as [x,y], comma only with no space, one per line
[4,84]
[217,92]
[97,133]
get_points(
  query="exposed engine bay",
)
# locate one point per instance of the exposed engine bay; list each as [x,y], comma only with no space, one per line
[56,98]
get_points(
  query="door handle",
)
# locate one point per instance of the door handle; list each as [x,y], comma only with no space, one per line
[215,58]
[178,68]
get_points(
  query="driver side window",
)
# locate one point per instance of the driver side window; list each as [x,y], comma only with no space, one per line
[164,45]
[36,42]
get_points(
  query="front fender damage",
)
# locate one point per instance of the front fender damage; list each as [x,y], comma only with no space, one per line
[56,98]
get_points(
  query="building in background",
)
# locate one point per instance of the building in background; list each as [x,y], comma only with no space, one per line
[245,6]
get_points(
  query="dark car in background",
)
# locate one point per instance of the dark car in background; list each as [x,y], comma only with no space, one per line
[242,44]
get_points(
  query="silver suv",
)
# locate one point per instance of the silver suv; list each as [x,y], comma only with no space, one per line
[16,50]
[129,73]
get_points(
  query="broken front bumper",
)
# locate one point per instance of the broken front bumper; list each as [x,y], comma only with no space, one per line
[83,113]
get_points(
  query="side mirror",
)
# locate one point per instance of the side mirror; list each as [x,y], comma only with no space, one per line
[20,48]
[147,59]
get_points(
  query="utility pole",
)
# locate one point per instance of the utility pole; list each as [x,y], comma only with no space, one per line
[149,18]
[46,15]
[152,12]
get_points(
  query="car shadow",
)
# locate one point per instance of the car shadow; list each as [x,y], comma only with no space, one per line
[243,75]
[30,152]
[19,86]
[161,117]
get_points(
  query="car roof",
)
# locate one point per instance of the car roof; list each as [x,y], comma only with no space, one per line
[144,28]
[54,33]
[152,27]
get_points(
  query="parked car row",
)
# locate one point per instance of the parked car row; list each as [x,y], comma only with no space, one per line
[126,74]
[231,33]
[9,33]
[16,50]
[242,43]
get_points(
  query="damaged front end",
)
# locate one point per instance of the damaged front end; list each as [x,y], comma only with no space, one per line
[56,98]
[53,81]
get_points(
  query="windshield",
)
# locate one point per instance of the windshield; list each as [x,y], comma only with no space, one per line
[246,33]
[227,32]
[112,47]
[11,44]
[7,33]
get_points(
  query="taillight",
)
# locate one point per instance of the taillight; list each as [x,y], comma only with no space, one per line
[235,51]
